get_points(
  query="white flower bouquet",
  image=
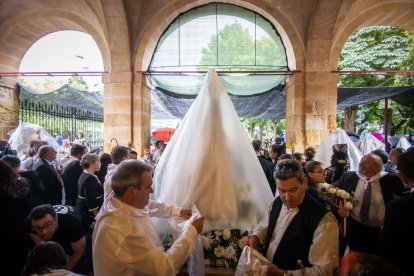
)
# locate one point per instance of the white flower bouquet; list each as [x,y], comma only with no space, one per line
[223,247]
[337,198]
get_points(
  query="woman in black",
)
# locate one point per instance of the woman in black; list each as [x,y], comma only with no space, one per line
[15,205]
[90,190]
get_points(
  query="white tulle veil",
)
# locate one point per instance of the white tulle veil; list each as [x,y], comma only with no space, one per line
[324,151]
[370,143]
[210,162]
[20,138]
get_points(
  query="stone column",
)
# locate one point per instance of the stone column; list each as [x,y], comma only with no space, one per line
[9,107]
[141,110]
[310,108]
[295,115]
[320,106]
[117,109]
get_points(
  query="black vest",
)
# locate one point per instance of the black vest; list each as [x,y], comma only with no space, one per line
[298,237]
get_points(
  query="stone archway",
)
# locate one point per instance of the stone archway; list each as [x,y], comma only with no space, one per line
[147,42]
[20,32]
[377,13]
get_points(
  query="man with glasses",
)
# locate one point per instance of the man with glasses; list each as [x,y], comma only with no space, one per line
[300,236]
[64,225]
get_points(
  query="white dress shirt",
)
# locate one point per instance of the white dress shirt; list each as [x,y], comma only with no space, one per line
[126,243]
[324,251]
[377,207]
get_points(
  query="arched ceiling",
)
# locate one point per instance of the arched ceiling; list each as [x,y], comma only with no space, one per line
[371,13]
[21,30]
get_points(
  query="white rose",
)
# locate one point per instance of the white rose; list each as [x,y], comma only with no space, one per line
[332,191]
[345,195]
[348,205]
[219,251]
[226,234]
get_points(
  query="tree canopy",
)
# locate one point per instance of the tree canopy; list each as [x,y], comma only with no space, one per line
[379,48]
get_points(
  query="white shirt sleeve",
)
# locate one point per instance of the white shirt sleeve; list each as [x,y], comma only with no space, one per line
[153,260]
[161,209]
[261,229]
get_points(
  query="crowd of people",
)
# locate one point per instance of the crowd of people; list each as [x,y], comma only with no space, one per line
[47,199]
[92,213]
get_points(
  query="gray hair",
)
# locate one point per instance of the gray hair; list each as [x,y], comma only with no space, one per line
[89,159]
[129,173]
[43,150]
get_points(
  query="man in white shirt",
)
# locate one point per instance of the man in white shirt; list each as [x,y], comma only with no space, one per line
[125,241]
[300,235]
[373,188]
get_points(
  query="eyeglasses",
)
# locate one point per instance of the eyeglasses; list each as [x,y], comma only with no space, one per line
[48,225]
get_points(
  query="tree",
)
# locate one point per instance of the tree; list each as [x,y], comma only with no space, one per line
[237,49]
[372,48]
[78,83]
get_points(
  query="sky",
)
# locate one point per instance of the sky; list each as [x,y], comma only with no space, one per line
[64,51]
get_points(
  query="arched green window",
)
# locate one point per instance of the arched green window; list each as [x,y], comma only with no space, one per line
[224,36]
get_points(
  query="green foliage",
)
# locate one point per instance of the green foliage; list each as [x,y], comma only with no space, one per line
[78,83]
[378,48]
[237,49]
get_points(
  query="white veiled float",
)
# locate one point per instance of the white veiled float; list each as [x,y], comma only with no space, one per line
[21,136]
[324,151]
[210,162]
[370,143]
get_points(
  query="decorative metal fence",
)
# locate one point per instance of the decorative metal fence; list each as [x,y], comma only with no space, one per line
[64,120]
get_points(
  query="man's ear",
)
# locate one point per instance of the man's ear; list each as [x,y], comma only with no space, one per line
[305,182]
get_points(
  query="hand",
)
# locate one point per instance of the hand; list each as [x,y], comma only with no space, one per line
[186,213]
[273,270]
[343,212]
[35,238]
[198,224]
[253,241]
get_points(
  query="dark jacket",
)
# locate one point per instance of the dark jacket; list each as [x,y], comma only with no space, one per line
[51,182]
[267,167]
[298,237]
[396,243]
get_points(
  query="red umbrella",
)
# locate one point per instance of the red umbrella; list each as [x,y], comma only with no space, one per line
[164,133]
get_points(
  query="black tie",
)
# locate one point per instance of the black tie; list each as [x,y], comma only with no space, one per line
[365,204]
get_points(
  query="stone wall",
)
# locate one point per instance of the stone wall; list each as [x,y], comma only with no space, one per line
[9,107]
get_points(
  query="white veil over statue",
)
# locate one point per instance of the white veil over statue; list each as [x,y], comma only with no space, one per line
[21,136]
[210,162]
[370,143]
[324,151]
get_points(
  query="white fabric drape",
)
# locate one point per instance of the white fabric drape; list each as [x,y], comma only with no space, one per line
[210,162]
[324,151]
[370,143]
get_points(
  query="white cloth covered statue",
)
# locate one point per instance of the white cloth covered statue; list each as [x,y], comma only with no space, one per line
[210,162]
[324,151]
[370,143]
[403,143]
[21,136]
